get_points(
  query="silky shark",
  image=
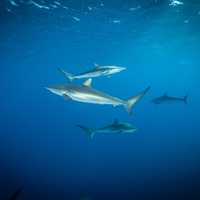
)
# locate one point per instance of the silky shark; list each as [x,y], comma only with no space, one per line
[97,71]
[84,93]
[167,99]
[116,127]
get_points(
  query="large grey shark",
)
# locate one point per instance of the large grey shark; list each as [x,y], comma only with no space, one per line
[167,99]
[97,71]
[116,127]
[84,93]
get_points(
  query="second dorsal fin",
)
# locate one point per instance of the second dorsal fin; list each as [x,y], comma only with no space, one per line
[116,121]
[165,94]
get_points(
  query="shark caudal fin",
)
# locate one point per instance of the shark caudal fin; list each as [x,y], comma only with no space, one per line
[89,130]
[69,76]
[133,100]
[185,98]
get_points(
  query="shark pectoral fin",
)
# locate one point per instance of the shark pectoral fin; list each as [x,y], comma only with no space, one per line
[66,97]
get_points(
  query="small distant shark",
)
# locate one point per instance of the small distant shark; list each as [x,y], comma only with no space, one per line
[15,195]
[116,127]
[97,71]
[84,93]
[167,99]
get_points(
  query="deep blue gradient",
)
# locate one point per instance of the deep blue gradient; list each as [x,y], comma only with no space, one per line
[44,153]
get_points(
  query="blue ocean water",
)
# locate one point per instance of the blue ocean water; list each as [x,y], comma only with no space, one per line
[45,154]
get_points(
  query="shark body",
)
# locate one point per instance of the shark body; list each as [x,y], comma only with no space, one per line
[116,127]
[167,99]
[96,72]
[84,93]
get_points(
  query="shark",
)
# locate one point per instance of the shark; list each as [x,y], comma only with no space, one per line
[116,127]
[95,72]
[85,93]
[15,195]
[167,99]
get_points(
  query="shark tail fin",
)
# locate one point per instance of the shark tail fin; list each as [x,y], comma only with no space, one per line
[89,130]
[185,98]
[133,100]
[69,76]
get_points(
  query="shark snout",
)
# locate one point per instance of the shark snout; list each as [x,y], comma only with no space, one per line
[48,88]
[55,90]
[122,68]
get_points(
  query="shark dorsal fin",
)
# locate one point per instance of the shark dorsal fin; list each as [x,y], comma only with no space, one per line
[165,94]
[96,65]
[87,82]
[116,121]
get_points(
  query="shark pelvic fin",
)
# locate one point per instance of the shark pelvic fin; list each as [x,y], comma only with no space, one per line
[69,76]
[133,100]
[87,82]
[89,130]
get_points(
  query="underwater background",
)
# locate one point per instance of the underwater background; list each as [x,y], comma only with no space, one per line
[45,154]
